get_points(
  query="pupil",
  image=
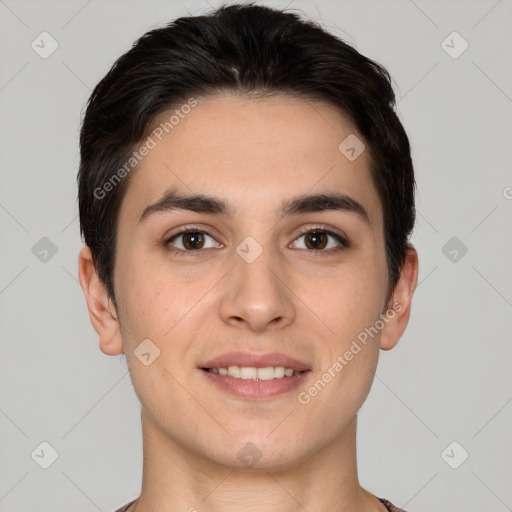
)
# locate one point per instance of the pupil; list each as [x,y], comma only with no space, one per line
[193,240]
[316,240]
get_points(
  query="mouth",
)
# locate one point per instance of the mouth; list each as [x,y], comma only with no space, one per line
[253,376]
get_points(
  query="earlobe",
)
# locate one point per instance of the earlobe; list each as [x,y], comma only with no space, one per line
[101,309]
[399,306]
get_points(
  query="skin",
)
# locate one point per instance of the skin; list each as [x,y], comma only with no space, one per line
[254,154]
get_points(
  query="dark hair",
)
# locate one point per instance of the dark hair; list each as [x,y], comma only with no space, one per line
[250,50]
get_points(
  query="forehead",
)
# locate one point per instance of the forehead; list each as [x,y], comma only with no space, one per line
[250,152]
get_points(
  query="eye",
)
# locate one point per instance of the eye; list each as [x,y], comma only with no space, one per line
[318,239]
[191,240]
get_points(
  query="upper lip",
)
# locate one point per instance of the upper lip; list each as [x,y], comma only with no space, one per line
[255,361]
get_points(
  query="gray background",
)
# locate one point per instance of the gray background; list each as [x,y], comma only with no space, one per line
[449,379]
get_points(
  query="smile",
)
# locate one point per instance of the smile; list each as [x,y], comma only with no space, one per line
[253,373]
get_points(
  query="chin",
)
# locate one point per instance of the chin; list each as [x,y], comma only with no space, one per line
[263,453]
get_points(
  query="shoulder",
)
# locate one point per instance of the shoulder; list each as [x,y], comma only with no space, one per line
[390,506]
[124,508]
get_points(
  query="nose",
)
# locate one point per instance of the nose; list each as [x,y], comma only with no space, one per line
[256,295]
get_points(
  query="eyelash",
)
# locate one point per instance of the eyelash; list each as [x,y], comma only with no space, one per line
[344,244]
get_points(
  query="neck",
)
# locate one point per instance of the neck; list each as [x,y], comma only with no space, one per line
[175,479]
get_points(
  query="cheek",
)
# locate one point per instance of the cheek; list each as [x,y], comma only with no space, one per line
[155,295]
[157,309]
[161,308]
[349,299]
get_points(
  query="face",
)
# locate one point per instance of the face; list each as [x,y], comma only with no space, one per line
[253,277]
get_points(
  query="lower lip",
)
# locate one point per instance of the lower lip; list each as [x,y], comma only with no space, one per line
[256,390]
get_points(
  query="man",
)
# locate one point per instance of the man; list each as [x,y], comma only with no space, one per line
[246,195]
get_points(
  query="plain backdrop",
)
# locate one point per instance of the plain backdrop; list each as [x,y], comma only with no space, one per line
[434,433]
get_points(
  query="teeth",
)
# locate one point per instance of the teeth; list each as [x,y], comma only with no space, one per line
[247,373]
[279,372]
[234,371]
[251,373]
[267,373]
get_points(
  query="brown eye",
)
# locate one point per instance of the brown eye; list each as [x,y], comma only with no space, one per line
[320,240]
[316,240]
[193,240]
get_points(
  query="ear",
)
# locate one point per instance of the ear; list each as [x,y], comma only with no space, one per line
[399,306]
[102,312]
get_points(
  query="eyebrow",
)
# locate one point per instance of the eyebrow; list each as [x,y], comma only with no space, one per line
[202,203]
